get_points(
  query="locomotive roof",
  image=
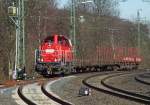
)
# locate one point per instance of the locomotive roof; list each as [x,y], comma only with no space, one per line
[51,37]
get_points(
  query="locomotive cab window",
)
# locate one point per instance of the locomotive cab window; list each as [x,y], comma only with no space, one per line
[63,41]
[49,39]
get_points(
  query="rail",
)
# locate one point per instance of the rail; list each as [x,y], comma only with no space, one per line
[26,100]
[116,91]
[58,100]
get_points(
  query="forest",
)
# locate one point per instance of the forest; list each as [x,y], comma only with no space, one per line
[94,26]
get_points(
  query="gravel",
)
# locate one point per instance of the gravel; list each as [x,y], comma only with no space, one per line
[68,90]
[144,77]
[128,82]
[6,96]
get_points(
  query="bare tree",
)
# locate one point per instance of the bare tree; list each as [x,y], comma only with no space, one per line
[7,37]
[107,7]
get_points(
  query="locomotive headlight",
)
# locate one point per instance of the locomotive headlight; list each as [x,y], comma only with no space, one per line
[39,59]
[49,50]
[42,60]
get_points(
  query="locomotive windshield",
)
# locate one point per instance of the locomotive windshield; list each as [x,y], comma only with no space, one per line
[61,40]
[49,39]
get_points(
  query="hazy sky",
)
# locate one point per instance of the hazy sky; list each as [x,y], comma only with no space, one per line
[128,9]
[62,2]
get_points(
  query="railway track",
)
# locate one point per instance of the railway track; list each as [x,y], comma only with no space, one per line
[143,78]
[33,95]
[36,94]
[107,88]
[49,94]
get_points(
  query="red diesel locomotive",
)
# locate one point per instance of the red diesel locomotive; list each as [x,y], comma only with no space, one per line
[54,55]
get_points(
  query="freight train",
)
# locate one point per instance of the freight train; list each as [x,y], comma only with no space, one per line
[107,58]
[55,55]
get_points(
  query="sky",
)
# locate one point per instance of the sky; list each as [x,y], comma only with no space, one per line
[128,9]
[62,2]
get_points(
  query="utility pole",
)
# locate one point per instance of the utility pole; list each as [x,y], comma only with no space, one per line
[39,26]
[73,21]
[16,14]
[73,26]
[112,40]
[138,28]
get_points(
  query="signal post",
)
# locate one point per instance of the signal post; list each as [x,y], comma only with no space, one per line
[16,14]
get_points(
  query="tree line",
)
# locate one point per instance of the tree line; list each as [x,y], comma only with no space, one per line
[44,17]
